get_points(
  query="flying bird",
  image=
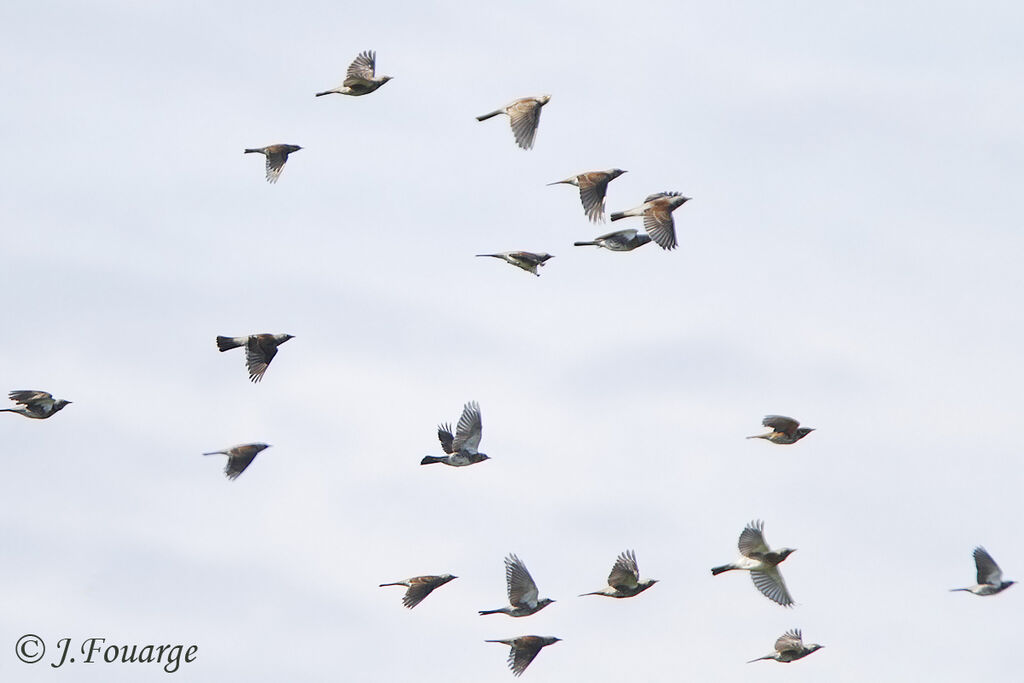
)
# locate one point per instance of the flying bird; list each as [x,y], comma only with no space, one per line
[789,648]
[239,457]
[593,186]
[523,597]
[524,115]
[990,576]
[260,349]
[761,561]
[361,78]
[624,581]
[276,156]
[461,448]
[657,213]
[785,430]
[524,650]
[38,405]
[620,240]
[420,587]
[527,260]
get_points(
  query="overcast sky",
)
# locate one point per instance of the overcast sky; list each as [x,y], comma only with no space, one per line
[851,257]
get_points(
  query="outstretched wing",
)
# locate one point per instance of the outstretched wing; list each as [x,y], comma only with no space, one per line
[362,67]
[752,543]
[525,116]
[771,585]
[625,574]
[521,588]
[781,423]
[469,429]
[988,571]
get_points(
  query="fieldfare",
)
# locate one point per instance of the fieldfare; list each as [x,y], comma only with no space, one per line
[527,260]
[624,581]
[761,561]
[461,449]
[523,596]
[239,457]
[361,78]
[785,430]
[525,117]
[620,240]
[657,212]
[260,349]
[38,405]
[524,650]
[990,576]
[789,648]
[276,156]
[420,587]
[593,186]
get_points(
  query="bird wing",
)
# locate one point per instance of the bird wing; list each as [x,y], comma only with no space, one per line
[593,187]
[29,398]
[619,235]
[781,423]
[275,163]
[362,67]
[659,224]
[790,640]
[525,116]
[238,459]
[521,588]
[524,650]
[625,573]
[528,257]
[469,429]
[771,585]
[752,543]
[444,434]
[988,571]
[419,588]
[259,351]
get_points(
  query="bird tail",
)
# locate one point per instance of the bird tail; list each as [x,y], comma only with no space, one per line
[582,595]
[616,216]
[228,343]
[431,459]
[760,436]
[954,590]
[491,255]
[8,410]
[254,151]
[494,113]
[715,571]
[760,658]
[326,92]
[491,611]
[585,244]
[392,584]
[215,453]
[568,181]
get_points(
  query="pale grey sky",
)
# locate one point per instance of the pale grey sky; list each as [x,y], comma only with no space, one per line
[851,257]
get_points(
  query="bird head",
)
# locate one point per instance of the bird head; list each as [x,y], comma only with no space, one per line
[785,552]
[804,431]
[615,173]
[1007,584]
[261,446]
[282,338]
[544,257]
[679,201]
[385,79]
[57,405]
[813,647]
[544,99]
[544,602]
[292,148]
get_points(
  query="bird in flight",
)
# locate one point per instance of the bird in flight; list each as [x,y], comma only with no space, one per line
[657,213]
[593,186]
[620,240]
[276,156]
[762,563]
[461,449]
[260,349]
[527,260]
[361,77]
[38,405]
[785,430]
[789,648]
[239,457]
[523,597]
[524,650]
[420,587]
[524,115]
[624,581]
[990,576]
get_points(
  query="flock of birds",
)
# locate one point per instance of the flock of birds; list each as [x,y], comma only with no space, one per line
[461,449]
